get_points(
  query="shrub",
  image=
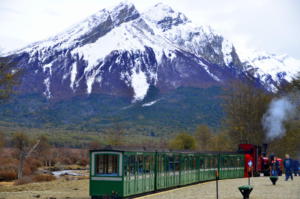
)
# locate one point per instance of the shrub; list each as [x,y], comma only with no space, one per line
[24,180]
[43,178]
[7,175]
[83,162]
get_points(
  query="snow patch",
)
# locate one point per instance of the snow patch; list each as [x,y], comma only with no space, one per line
[226,50]
[207,70]
[73,75]
[47,92]
[47,67]
[139,84]
[150,103]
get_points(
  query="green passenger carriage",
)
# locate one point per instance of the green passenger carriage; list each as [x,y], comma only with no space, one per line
[124,172]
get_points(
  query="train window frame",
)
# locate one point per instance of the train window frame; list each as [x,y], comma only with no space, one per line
[119,164]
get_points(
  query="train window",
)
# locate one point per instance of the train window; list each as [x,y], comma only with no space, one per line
[107,165]
[225,162]
[170,160]
[141,164]
[161,163]
[194,163]
[201,163]
[148,163]
[177,163]
[126,165]
[132,164]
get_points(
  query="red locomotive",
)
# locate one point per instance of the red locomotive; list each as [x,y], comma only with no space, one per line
[256,161]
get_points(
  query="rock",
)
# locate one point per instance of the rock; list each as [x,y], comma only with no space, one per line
[37,196]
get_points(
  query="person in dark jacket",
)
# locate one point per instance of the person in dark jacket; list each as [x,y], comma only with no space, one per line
[274,165]
[288,166]
[296,167]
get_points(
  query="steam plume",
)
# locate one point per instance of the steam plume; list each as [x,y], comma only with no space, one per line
[280,110]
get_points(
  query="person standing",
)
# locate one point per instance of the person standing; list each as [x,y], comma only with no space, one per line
[288,165]
[274,167]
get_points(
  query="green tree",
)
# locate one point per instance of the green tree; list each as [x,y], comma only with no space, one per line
[204,137]
[8,79]
[244,106]
[183,141]
[222,142]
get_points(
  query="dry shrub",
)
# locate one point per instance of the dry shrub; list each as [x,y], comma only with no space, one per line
[43,178]
[24,180]
[83,162]
[34,163]
[7,175]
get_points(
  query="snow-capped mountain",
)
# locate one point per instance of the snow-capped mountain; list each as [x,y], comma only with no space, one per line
[123,52]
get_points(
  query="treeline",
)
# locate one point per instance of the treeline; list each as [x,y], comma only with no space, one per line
[203,139]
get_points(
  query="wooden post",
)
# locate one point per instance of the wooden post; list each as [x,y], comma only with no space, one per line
[217,183]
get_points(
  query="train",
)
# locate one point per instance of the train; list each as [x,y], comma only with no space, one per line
[124,172]
[119,172]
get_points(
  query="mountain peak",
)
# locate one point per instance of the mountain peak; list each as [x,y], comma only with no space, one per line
[124,12]
[165,17]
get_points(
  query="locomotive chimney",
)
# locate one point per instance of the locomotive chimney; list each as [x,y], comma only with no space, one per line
[264,149]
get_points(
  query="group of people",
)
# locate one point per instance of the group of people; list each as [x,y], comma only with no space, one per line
[290,167]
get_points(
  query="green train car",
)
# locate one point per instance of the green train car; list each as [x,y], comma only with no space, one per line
[124,172]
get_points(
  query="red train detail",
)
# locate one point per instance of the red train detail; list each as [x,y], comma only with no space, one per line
[260,163]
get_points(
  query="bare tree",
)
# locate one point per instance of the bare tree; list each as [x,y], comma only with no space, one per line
[244,107]
[22,143]
[43,150]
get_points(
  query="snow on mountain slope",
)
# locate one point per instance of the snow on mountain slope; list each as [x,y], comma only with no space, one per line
[271,67]
[122,51]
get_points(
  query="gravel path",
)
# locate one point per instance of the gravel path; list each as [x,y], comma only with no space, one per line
[228,189]
[78,189]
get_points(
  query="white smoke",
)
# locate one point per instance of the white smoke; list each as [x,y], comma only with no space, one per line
[280,110]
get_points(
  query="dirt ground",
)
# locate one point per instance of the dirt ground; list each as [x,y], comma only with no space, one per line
[67,188]
[78,189]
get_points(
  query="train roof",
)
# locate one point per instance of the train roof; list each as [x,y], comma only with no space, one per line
[147,149]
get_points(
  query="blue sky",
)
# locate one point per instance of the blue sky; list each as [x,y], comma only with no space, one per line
[270,25]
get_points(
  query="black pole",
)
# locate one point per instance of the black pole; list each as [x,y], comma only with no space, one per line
[248,179]
[217,183]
